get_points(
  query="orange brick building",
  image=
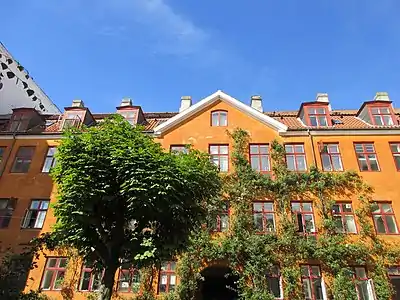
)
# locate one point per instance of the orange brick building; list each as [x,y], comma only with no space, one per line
[365,139]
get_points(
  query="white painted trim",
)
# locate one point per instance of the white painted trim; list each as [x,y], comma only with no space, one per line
[343,132]
[219,95]
[324,294]
[32,137]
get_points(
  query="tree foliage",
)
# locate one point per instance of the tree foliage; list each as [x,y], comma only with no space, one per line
[122,198]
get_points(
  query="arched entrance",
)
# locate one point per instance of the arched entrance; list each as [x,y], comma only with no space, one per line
[219,284]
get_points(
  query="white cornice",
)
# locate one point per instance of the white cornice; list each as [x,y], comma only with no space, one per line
[219,95]
[343,132]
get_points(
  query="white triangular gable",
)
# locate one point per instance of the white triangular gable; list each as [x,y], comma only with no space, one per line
[219,95]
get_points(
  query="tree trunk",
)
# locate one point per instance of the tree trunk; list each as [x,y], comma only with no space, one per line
[107,282]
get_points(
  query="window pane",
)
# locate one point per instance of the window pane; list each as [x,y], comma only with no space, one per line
[397,161]
[347,207]
[223,149]
[387,208]
[307,207]
[224,222]
[213,149]
[295,206]
[274,286]
[391,224]
[369,148]
[85,281]
[269,223]
[380,226]
[59,280]
[47,279]
[223,164]
[336,208]
[47,164]
[289,148]
[315,271]
[378,120]
[255,163]
[350,224]
[258,221]
[253,149]
[3,203]
[309,223]
[299,148]
[326,162]
[268,206]
[214,119]
[223,119]
[395,147]
[290,162]
[52,262]
[359,148]
[44,205]
[35,204]
[338,223]
[264,149]
[320,110]
[362,288]
[305,271]
[265,163]
[322,121]
[301,163]
[307,289]
[333,148]
[317,289]
[387,120]
[40,219]
[258,206]
[337,163]
[373,162]
[313,121]
[63,262]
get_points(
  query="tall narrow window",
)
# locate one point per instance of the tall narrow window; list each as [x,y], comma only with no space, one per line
[2,153]
[219,118]
[90,278]
[395,147]
[367,158]
[23,159]
[54,273]
[221,222]
[260,158]
[274,282]
[36,214]
[264,216]
[330,156]
[295,157]
[7,207]
[394,276]
[176,149]
[312,282]
[384,219]
[50,160]
[344,217]
[167,278]
[304,215]
[317,116]
[128,279]
[220,157]
[364,286]
[381,116]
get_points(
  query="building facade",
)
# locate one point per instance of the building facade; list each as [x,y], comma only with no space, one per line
[366,140]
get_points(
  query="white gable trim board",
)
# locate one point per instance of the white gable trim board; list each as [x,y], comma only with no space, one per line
[219,95]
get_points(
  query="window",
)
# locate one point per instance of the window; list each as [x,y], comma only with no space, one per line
[23,160]
[367,159]
[90,278]
[49,161]
[381,116]
[179,149]
[54,273]
[219,118]
[274,282]
[395,147]
[72,119]
[295,157]
[128,279]
[2,151]
[384,219]
[317,116]
[221,222]
[220,157]
[304,216]
[129,115]
[312,282]
[394,276]
[330,156]
[7,207]
[264,216]
[259,157]
[363,284]
[19,123]
[344,218]
[167,279]
[36,214]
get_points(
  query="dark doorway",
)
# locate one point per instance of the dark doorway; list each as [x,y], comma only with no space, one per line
[219,284]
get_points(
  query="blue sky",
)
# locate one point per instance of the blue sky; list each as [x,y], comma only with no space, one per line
[155,51]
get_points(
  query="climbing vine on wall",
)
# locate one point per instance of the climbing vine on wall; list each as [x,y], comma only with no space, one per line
[252,255]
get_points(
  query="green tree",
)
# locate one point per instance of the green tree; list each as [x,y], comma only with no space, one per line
[121,197]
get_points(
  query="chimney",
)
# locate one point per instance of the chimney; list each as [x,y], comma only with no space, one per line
[186,102]
[322,97]
[77,103]
[381,96]
[126,102]
[256,103]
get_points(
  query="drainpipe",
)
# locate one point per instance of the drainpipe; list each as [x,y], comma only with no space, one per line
[312,147]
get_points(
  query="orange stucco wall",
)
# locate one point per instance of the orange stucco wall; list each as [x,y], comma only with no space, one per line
[198,132]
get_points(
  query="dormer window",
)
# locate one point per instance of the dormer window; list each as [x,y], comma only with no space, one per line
[219,118]
[19,122]
[317,116]
[129,115]
[72,119]
[381,116]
